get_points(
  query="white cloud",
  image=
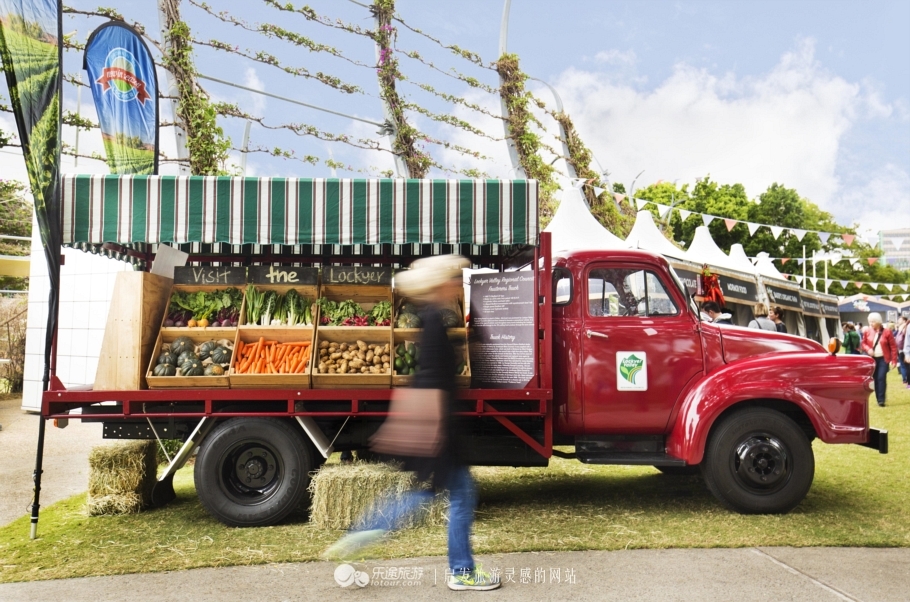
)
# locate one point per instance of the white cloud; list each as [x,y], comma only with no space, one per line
[257,101]
[880,201]
[616,57]
[785,126]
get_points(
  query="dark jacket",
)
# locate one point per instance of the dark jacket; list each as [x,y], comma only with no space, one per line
[436,370]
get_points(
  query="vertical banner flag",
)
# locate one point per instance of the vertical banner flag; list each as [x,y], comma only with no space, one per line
[125,89]
[30,37]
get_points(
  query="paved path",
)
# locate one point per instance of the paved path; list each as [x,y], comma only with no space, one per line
[800,574]
[65,459]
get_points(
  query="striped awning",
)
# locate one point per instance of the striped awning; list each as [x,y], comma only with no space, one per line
[297,211]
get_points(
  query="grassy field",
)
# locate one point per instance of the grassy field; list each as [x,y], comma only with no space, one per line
[859,498]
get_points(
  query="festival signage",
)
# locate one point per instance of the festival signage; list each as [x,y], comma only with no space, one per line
[784,297]
[125,88]
[30,34]
[811,305]
[502,322]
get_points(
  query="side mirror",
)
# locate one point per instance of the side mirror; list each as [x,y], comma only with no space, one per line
[834,346]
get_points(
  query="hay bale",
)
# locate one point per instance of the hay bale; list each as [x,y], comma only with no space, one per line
[121,477]
[342,494]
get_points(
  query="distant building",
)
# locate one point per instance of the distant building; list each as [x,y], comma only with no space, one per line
[896,248]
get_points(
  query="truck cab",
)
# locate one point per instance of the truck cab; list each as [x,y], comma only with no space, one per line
[639,378]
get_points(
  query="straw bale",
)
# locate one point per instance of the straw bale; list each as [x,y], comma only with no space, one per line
[121,477]
[343,494]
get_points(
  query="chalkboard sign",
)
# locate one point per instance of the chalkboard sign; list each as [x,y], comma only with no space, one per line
[280,274]
[209,276]
[502,320]
[784,297]
[356,275]
[738,290]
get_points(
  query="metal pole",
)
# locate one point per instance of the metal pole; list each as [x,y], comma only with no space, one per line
[503,49]
[173,92]
[814,276]
[564,135]
[804,267]
[826,277]
[245,147]
[78,112]
[36,477]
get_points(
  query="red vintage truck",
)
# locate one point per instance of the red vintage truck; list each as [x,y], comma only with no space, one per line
[624,369]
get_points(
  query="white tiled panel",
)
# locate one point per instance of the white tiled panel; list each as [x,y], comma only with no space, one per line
[86,283]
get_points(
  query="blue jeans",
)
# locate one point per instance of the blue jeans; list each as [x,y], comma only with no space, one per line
[462,499]
[881,381]
[902,366]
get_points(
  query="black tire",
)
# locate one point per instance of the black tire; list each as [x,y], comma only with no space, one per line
[758,461]
[253,472]
[679,471]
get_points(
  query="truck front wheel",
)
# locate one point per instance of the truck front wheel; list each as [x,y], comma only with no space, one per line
[758,461]
[253,472]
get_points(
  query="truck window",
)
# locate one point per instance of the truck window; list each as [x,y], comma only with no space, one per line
[562,286]
[628,292]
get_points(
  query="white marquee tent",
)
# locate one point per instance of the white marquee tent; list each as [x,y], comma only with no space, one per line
[574,228]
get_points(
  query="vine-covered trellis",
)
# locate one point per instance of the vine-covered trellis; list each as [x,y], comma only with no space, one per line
[459,119]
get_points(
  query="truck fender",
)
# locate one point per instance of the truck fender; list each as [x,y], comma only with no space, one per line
[787,377]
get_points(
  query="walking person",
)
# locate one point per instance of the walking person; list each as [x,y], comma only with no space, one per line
[900,337]
[777,316]
[423,433]
[761,318]
[852,342]
[878,343]
[907,355]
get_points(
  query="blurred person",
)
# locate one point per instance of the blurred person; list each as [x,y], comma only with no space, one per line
[878,343]
[422,431]
[777,316]
[714,313]
[761,319]
[907,354]
[851,339]
[900,337]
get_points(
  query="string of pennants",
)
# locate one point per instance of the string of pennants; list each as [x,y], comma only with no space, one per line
[753,227]
[890,286]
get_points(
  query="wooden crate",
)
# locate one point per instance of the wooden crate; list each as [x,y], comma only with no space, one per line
[285,334]
[198,336]
[213,333]
[304,290]
[133,321]
[457,305]
[458,337]
[367,295]
[348,334]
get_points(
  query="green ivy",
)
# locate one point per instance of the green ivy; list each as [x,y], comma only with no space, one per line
[206,143]
[527,143]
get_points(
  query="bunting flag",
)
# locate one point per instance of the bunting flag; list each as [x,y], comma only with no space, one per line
[888,286]
[752,228]
[798,278]
[684,214]
[824,236]
[858,284]
[784,260]
[848,238]
[843,283]
[897,242]
[871,260]
[618,197]
[904,287]
[640,203]
[707,219]
[730,223]
[813,281]
[662,210]
[799,234]
[125,88]
[598,191]
[776,231]
[800,261]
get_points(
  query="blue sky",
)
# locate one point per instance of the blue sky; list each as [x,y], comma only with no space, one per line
[814,95]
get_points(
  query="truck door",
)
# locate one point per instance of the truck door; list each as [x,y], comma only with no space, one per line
[641,348]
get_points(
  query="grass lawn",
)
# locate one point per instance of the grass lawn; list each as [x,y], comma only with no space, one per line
[859,498]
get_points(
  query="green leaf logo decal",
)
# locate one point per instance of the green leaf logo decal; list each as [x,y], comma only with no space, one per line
[630,367]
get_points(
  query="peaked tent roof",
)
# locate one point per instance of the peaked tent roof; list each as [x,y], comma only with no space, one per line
[765,267]
[645,235]
[704,250]
[574,228]
[739,257]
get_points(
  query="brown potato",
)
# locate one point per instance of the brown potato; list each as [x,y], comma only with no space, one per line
[369,356]
[324,345]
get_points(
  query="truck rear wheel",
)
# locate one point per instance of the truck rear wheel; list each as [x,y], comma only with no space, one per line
[253,472]
[758,461]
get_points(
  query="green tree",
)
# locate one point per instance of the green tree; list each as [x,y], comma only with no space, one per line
[15,220]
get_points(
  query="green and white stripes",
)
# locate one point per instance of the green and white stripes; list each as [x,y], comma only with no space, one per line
[292,211]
